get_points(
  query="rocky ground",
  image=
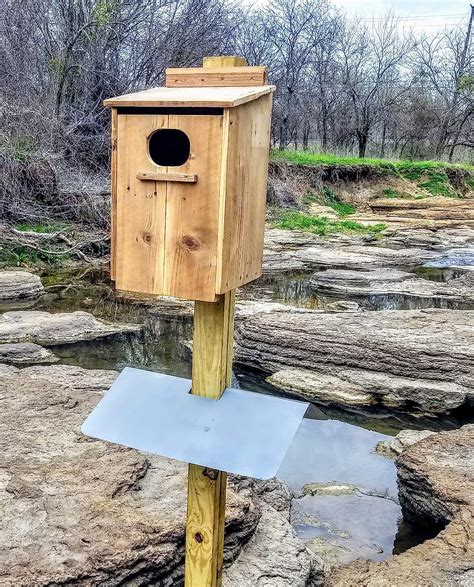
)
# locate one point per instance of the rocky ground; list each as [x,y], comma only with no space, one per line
[436,481]
[79,512]
[419,361]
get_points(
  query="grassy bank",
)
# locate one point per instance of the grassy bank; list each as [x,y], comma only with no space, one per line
[307,158]
[303,180]
[296,220]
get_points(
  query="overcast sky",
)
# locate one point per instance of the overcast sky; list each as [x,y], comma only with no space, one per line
[429,15]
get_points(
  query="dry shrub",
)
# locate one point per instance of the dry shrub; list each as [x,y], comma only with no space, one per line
[26,187]
[286,188]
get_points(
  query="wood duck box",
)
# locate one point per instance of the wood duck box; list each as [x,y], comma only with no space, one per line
[189,174]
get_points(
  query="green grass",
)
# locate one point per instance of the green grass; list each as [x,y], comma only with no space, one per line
[391,193]
[429,176]
[328,198]
[22,256]
[294,220]
[306,158]
[41,227]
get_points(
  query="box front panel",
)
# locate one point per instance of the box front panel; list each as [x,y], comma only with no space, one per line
[141,208]
[192,211]
[166,230]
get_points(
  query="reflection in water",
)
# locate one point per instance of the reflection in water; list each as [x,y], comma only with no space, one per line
[296,290]
[337,451]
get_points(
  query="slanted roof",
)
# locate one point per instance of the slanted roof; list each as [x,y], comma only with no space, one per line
[226,97]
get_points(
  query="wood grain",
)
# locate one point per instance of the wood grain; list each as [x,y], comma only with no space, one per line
[192,212]
[177,177]
[212,371]
[224,61]
[226,97]
[205,526]
[212,346]
[216,77]
[243,193]
[141,213]
[113,193]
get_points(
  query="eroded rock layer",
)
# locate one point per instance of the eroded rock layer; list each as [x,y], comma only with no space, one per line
[420,361]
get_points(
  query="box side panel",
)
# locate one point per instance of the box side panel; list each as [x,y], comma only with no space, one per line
[192,212]
[140,208]
[243,194]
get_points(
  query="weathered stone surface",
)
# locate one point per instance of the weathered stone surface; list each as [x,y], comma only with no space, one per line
[273,557]
[396,445]
[321,388]
[432,239]
[416,360]
[436,477]
[281,262]
[342,306]
[82,512]
[433,213]
[48,329]
[328,489]
[377,282]
[25,353]
[363,257]
[19,286]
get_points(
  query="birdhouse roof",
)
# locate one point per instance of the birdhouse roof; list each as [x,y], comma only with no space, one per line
[215,97]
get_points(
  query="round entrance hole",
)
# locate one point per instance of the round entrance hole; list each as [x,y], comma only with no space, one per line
[169,147]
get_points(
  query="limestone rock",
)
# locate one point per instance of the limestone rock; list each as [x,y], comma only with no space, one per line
[342,306]
[19,286]
[419,361]
[377,282]
[436,476]
[405,438]
[25,353]
[81,512]
[281,262]
[321,388]
[445,238]
[436,479]
[273,557]
[48,329]
[333,488]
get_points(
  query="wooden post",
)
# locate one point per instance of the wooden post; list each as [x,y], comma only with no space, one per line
[212,369]
[211,374]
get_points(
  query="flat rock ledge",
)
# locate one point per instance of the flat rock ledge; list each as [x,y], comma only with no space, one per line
[81,512]
[436,482]
[392,282]
[415,361]
[396,445]
[44,328]
[26,353]
[19,286]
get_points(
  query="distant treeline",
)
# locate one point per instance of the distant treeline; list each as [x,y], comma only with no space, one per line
[344,86]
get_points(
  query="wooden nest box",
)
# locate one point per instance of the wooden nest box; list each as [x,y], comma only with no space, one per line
[189,173]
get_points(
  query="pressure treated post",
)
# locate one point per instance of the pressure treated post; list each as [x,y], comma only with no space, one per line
[211,374]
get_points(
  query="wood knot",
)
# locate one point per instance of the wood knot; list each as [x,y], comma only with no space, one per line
[198,537]
[190,243]
[211,473]
[147,237]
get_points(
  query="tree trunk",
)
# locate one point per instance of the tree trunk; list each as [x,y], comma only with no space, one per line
[362,137]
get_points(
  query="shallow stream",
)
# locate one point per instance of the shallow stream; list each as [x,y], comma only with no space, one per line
[332,447]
